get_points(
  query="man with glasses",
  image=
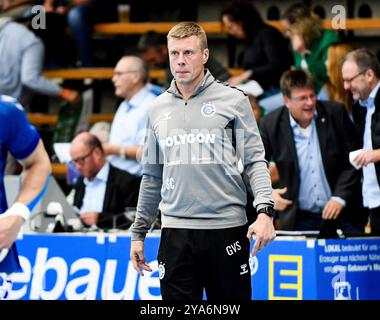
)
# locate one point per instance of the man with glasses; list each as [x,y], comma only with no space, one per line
[102,192]
[361,74]
[309,141]
[128,126]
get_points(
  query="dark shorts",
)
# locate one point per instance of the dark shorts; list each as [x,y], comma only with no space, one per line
[216,261]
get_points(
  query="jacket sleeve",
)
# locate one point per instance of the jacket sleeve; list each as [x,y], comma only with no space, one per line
[250,149]
[265,139]
[270,46]
[31,71]
[150,188]
[349,177]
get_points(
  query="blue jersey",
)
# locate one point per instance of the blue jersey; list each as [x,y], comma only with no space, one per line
[20,138]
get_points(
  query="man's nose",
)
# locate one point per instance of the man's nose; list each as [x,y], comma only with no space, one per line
[181,59]
[346,85]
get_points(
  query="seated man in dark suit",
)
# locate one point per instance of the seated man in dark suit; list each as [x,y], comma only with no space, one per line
[102,192]
[310,141]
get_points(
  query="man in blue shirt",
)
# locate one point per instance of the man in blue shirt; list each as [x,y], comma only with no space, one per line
[361,75]
[310,141]
[22,140]
[128,126]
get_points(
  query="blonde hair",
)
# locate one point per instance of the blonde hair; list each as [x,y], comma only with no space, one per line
[303,21]
[309,28]
[336,54]
[187,29]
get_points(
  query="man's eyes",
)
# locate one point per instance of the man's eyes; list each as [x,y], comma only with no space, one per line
[187,53]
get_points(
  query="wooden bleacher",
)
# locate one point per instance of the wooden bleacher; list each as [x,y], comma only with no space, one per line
[51,119]
[215,27]
[59,169]
[211,27]
[91,73]
[106,73]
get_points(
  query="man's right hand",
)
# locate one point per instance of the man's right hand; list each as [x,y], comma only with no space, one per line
[89,218]
[72,96]
[138,258]
[9,229]
[280,203]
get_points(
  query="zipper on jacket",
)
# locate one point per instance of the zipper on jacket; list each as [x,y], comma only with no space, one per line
[184,110]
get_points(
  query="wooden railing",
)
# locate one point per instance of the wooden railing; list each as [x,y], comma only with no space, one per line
[92,73]
[215,27]
[59,169]
[51,119]
[107,73]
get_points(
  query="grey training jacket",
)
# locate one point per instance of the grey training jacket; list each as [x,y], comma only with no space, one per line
[191,168]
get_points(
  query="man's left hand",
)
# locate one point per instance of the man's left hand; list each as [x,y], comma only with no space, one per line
[89,218]
[264,230]
[332,210]
[367,156]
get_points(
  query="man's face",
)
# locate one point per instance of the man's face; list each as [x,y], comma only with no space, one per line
[187,60]
[157,57]
[84,159]
[301,105]
[124,78]
[355,80]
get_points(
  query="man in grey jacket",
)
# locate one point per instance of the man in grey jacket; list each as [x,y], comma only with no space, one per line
[201,135]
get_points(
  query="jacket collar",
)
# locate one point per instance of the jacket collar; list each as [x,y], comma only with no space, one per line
[207,80]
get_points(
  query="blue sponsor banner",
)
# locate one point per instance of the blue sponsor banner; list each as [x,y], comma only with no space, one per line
[59,267]
[123,282]
[285,270]
[77,267]
[97,266]
[348,270]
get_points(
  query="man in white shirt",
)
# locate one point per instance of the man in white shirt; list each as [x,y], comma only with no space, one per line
[361,75]
[128,126]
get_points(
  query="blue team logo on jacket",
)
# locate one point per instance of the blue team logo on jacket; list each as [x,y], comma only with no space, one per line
[208,110]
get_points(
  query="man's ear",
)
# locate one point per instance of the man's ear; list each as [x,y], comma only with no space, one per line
[205,55]
[287,101]
[370,75]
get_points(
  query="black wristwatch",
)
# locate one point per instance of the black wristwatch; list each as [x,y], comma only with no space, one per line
[269,211]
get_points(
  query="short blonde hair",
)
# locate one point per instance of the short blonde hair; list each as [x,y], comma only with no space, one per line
[187,29]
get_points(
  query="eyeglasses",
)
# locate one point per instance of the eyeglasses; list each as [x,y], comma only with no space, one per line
[355,76]
[120,73]
[304,98]
[81,160]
